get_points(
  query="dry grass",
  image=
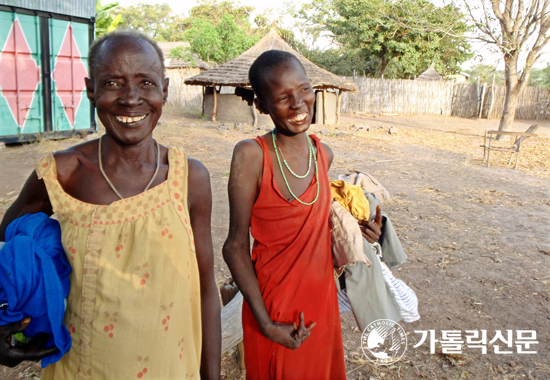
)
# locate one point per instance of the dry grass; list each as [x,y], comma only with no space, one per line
[534,157]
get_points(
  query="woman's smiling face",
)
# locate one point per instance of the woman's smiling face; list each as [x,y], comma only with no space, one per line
[128,89]
[287,97]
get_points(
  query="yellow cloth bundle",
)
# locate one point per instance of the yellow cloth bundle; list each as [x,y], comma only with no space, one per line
[351,197]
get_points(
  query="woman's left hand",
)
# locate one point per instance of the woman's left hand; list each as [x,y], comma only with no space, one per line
[372,230]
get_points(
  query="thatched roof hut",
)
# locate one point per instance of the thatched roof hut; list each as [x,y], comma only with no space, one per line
[235,74]
[430,74]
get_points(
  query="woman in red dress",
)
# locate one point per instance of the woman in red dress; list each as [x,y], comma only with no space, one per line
[279,191]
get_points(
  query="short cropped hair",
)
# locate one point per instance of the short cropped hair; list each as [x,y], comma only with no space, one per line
[93,64]
[265,63]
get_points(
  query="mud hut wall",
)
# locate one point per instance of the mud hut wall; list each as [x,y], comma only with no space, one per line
[331,108]
[230,108]
[233,109]
[180,94]
[393,96]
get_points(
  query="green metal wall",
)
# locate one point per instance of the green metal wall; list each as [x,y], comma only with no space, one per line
[25,107]
[21,110]
[69,62]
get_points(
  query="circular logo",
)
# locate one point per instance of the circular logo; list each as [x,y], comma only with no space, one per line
[383,342]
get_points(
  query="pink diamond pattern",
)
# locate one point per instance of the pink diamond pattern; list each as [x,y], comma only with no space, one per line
[19,74]
[69,73]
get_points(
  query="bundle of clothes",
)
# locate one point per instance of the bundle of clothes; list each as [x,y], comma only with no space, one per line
[34,281]
[366,285]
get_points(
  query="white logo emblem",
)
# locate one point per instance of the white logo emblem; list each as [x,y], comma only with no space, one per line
[383,342]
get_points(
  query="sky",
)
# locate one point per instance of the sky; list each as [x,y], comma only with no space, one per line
[179,6]
[483,55]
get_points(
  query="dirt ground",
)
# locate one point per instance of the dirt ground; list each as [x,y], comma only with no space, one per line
[477,238]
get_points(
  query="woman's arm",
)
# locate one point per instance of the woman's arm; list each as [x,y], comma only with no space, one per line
[33,198]
[330,154]
[244,185]
[200,209]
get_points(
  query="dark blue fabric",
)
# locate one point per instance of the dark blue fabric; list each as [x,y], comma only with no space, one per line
[34,280]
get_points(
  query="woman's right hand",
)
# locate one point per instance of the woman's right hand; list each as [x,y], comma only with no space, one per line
[289,335]
[11,356]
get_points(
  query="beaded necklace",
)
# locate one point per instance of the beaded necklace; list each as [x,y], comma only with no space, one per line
[111,184]
[310,150]
[283,173]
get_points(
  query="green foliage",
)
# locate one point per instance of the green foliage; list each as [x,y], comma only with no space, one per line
[182,53]
[204,40]
[105,21]
[154,20]
[219,32]
[395,39]
[337,61]
[214,12]
[540,77]
[484,74]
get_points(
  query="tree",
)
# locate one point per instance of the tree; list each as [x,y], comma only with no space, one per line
[183,53]
[204,40]
[154,20]
[517,28]
[545,82]
[214,11]
[219,32]
[376,31]
[104,20]
[484,74]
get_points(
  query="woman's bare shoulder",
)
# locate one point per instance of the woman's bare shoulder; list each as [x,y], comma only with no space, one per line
[71,159]
[248,149]
[197,171]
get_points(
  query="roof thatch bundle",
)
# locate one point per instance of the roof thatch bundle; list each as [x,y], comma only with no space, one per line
[235,72]
[174,63]
[430,74]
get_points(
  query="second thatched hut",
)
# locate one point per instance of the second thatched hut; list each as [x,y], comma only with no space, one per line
[237,105]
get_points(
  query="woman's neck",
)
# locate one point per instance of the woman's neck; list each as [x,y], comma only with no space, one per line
[136,155]
[297,142]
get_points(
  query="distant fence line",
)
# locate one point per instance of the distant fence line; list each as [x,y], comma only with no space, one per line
[411,97]
[405,97]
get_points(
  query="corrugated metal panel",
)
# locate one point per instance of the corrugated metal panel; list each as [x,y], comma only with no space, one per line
[77,8]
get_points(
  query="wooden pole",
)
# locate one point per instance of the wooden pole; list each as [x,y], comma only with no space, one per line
[325,115]
[203,97]
[536,110]
[215,108]
[491,101]
[338,104]
[482,99]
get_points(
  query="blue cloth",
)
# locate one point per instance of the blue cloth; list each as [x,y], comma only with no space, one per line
[34,280]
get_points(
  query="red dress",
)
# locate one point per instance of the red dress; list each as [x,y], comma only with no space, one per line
[293,262]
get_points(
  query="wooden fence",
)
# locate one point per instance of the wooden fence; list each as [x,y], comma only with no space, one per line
[411,97]
[392,96]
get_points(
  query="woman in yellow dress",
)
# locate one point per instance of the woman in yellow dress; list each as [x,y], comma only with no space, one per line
[135,222]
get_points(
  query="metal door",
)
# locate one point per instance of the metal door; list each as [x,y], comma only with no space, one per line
[21,109]
[69,43]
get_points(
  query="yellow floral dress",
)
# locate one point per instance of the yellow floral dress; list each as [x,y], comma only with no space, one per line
[133,311]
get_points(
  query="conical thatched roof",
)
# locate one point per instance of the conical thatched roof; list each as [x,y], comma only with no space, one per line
[430,74]
[235,72]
